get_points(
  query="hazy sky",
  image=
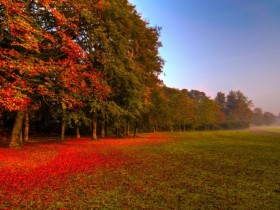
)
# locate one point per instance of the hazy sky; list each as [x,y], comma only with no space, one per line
[220,45]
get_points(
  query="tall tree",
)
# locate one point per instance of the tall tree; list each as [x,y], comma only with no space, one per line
[157,114]
[40,56]
[258,118]
[269,118]
[221,100]
[278,119]
[238,110]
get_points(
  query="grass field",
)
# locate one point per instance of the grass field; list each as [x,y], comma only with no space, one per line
[194,170]
[275,129]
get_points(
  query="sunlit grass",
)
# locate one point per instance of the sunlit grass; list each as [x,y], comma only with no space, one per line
[194,170]
[270,128]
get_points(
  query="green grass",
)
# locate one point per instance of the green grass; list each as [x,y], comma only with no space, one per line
[219,170]
[194,170]
[275,129]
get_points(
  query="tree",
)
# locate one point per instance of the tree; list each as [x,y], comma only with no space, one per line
[40,56]
[238,110]
[126,51]
[269,118]
[278,119]
[221,100]
[199,109]
[175,106]
[211,114]
[19,46]
[158,108]
[185,109]
[258,117]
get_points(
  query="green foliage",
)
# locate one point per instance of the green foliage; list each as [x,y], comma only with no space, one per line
[96,56]
[238,110]
[263,118]
[77,118]
[174,109]
[269,118]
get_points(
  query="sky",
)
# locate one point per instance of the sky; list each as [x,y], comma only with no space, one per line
[220,45]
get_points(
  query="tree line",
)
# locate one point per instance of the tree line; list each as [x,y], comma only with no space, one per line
[264,118]
[182,110]
[92,67]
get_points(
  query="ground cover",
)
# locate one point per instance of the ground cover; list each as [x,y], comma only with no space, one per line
[275,129]
[193,170]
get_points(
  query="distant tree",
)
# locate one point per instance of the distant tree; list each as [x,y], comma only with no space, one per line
[158,109]
[269,118]
[211,114]
[278,119]
[221,100]
[172,95]
[186,112]
[198,95]
[238,110]
[258,117]
[205,111]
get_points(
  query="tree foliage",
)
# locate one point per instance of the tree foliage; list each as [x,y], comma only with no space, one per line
[174,109]
[94,58]
[192,109]
[238,110]
[263,118]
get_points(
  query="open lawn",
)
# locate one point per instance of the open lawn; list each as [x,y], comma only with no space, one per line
[193,170]
[275,129]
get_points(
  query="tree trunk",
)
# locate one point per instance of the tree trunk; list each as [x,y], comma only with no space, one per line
[103,125]
[1,121]
[123,131]
[127,128]
[20,138]
[26,125]
[106,126]
[17,130]
[117,132]
[63,122]
[78,132]
[156,127]
[94,128]
[135,129]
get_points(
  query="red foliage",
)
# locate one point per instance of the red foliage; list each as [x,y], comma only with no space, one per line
[25,172]
[23,61]
[36,167]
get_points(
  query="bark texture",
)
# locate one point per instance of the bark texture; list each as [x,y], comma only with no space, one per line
[16,138]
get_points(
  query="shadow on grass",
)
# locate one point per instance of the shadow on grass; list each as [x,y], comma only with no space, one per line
[5,140]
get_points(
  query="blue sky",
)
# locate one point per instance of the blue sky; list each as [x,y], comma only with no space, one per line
[220,45]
